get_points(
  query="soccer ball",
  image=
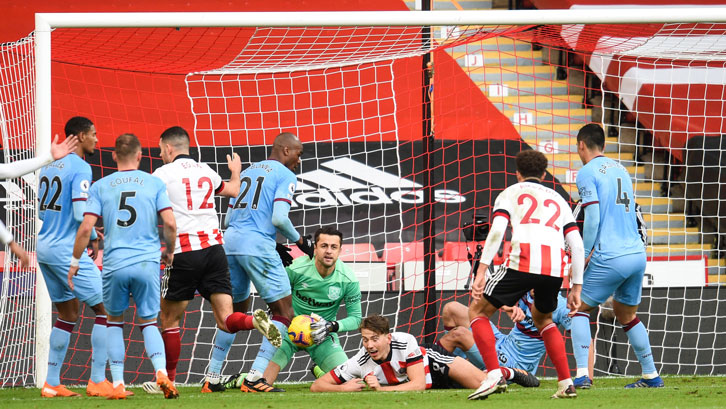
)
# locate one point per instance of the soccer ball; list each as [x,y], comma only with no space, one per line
[299,331]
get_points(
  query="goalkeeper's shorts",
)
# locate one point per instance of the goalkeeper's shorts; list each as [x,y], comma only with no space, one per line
[327,355]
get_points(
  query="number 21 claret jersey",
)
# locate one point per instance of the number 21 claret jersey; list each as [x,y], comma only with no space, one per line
[250,230]
[540,220]
[191,186]
[129,202]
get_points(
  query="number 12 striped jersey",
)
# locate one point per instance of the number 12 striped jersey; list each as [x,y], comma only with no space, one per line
[540,220]
[250,230]
[191,186]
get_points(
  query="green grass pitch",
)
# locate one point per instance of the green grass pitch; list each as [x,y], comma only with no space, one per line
[680,392]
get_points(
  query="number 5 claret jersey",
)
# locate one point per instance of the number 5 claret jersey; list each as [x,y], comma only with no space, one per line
[540,220]
[250,230]
[191,187]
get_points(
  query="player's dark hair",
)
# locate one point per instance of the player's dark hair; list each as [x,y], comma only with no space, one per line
[176,135]
[531,163]
[127,145]
[77,125]
[593,136]
[376,323]
[330,231]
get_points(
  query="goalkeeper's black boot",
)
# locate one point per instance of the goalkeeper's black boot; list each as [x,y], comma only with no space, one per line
[259,385]
[213,387]
[524,378]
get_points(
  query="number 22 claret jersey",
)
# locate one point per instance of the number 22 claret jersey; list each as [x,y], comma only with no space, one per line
[540,220]
[191,187]
[250,230]
[129,202]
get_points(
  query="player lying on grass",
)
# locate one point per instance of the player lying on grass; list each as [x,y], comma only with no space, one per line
[395,362]
[519,351]
[319,287]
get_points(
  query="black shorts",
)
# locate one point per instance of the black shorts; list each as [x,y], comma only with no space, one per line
[439,360]
[203,270]
[507,286]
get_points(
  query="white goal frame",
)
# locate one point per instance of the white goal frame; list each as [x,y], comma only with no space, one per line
[46,22]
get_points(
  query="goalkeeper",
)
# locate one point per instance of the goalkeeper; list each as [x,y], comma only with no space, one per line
[319,286]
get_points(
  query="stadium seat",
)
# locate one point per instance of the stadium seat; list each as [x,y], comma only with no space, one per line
[396,253]
[456,250]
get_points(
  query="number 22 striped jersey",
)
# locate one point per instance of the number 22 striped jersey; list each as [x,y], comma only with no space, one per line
[540,220]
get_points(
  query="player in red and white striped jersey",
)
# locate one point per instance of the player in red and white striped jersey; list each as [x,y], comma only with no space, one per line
[199,263]
[541,223]
[395,362]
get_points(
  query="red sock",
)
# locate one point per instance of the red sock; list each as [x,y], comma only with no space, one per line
[507,373]
[485,342]
[172,349]
[555,346]
[238,321]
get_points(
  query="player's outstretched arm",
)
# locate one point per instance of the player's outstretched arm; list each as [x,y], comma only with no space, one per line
[416,380]
[20,253]
[169,235]
[22,167]
[231,188]
[326,383]
[82,237]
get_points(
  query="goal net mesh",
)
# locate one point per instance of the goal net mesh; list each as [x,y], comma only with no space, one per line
[354,96]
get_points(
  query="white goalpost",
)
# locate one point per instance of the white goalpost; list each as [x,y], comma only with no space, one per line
[351,82]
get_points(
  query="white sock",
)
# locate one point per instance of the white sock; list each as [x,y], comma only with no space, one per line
[650,375]
[495,374]
[563,384]
[582,372]
[117,383]
[253,375]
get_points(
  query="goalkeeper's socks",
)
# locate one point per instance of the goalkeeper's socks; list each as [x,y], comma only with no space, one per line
[98,353]
[638,337]
[318,372]
[580,333]
[555,346]
[116,350]
[267,351]
[154,346]
[222,342]
[485,342]
[172,349]
[238,321]
[60,335]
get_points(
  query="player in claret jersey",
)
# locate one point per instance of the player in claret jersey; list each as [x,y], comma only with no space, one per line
[395,362]
[255,217]
[541,223]
[200,263]
[130,202]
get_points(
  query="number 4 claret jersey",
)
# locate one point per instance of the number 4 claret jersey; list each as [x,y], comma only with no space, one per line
[191,187]
[607,183]
[250,230]
[540,220]
[129,202]
[62,182]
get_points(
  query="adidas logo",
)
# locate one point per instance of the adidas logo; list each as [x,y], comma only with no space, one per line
[346,182]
